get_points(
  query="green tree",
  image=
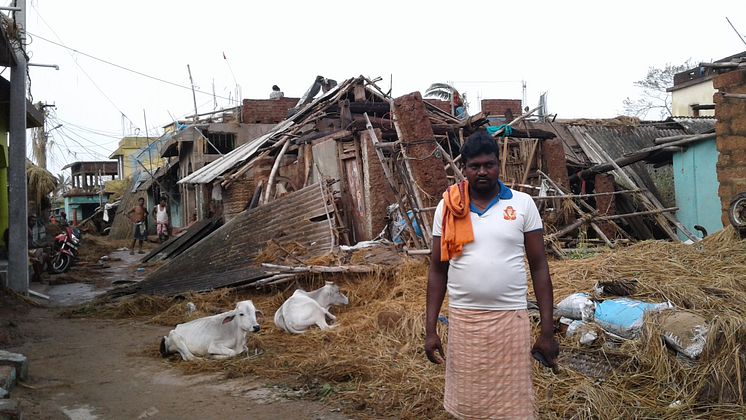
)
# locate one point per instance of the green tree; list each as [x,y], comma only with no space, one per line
[653,95]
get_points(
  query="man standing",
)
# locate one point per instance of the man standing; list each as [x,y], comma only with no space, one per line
[138,215]
[481,232]
[161,213]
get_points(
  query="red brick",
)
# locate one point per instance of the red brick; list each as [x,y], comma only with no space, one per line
[738,126]
[732,158]
[732,172]
[726,143]
[266,111]
[501,106]
[419,142]
[442,105]
[732,78]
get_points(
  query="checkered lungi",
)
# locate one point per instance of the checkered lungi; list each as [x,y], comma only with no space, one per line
[488,365]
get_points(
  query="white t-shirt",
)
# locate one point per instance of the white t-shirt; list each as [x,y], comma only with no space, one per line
[490,274]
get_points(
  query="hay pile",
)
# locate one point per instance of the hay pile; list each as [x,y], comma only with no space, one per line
[373,361]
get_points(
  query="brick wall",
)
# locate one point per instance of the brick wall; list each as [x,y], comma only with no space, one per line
[500,106]
[266,111]
[236,197]
[377,192]
[442,105]
[731,137]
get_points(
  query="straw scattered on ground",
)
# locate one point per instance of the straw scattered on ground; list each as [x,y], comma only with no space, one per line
[373,362]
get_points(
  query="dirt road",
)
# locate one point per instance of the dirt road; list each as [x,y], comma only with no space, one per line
[87,369]
[105,369]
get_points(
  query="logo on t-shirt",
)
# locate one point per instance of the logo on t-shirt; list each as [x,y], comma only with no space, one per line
[509,213]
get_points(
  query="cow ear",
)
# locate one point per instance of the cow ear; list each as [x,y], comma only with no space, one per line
[228,319]
[259,313]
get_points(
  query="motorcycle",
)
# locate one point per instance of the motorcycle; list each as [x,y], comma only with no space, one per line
[64,250]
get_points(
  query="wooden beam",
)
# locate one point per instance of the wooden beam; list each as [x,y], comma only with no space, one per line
[275,168]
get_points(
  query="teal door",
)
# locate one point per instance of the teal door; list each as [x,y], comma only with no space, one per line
[696,185]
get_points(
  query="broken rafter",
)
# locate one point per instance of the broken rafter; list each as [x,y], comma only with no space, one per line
[662,144]
[391,181]
[553,197]
[321,268]
[577,208]
[275,168]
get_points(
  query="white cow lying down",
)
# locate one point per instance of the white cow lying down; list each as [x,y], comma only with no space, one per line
[305,309]
[219,336]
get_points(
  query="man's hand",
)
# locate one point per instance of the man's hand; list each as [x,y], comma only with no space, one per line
[547,345]
[432,344]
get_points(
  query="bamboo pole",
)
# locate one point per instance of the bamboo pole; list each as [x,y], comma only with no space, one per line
[392,183]
[320,268]
[451,163]
[529,162]
[275,168]
[552,197]
[577,208]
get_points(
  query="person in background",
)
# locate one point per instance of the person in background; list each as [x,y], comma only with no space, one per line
[481,232]
[138,217]
[162,215]
[276,93]
[35,249]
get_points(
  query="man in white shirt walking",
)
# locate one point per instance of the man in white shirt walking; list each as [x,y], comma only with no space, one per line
[162,214]
[481,232]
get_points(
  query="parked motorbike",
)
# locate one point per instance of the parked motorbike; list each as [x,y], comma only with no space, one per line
[64,250]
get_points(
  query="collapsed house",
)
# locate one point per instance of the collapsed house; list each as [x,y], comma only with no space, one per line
[356,165]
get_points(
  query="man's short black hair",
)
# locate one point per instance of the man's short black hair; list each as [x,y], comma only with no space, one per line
[479,143]
[141,198]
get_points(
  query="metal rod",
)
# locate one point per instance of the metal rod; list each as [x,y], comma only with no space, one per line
[54,66]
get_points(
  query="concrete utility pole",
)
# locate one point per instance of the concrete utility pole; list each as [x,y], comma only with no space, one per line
[18,238]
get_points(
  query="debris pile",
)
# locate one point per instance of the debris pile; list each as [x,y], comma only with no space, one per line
[373,361]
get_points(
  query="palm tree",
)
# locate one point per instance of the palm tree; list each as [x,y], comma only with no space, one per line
[40,184]
[447,92]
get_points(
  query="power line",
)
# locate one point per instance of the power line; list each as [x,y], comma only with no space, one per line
[89,130]
[75,60]
[94,130]
[126,68]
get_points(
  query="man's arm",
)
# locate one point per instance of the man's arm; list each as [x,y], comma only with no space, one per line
[537,261]
[437,279]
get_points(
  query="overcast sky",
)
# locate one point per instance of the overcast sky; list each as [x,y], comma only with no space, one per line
[585,54]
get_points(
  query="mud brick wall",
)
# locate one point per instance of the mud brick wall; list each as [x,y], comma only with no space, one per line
[377,192]
[237,196]
[731,137]
[500,106]
[419,142]
[266,111]
[605,203]
[556,163]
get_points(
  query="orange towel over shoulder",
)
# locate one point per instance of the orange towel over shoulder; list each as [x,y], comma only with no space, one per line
[457,229]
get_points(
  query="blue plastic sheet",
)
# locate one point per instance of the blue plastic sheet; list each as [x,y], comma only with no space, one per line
[624,317]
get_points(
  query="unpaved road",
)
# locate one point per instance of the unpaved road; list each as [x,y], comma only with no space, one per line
[106,369]
[90,368]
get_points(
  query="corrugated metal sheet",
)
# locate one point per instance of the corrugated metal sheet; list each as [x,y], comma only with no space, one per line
[209,173]
[239,155]
[696,125]
[605,143]
[225,257]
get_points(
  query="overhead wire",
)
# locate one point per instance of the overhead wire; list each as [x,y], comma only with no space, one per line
[75,60]
[126,68]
